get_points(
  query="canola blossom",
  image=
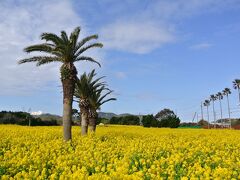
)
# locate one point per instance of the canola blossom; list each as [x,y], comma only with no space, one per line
[119,152]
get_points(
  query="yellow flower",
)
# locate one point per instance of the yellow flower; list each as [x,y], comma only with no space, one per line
[119,152]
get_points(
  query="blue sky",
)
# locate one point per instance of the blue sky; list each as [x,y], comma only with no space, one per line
[157,53]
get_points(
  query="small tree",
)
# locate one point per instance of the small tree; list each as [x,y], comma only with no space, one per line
[167,118]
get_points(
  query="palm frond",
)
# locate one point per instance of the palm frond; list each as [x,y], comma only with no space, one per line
[46,60]
[110,99]
[51,37]
[38,59]
[64,37]
[45,47]
[85,40]
[82,50]
[74,36]
[86,58]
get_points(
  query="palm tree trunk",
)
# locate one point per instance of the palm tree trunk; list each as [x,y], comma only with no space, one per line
[229,113]
[68,89]
[92,124]
[214,116]
[221,112]
[68,78]
[92,121]
[208,116]
[84,121]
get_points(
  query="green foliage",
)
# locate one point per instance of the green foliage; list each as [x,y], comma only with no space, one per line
[149,121]
[170,121]
[23,118]
[164,114]
[102,120]
[90,93]
[125,120]
[166,118]
[62,48]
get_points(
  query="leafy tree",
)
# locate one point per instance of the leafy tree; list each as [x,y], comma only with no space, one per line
[164,113]
[66,50]
[167,118]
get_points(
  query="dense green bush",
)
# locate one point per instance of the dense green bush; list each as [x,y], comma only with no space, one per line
[125,120]
[149,121]
[170,121]
[164,118]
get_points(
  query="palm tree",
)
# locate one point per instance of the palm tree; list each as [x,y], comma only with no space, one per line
[236,85]
[66,50]
[227,92]
[213,99]
[85,87]
[207,104]
[96,101]
[219,96]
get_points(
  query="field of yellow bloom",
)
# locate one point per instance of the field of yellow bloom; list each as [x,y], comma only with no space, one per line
[119,152]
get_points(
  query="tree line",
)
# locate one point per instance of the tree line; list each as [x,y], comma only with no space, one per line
[164,118]
[24,118]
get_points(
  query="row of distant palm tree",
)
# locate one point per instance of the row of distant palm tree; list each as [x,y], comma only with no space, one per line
[219,96]
[66,50]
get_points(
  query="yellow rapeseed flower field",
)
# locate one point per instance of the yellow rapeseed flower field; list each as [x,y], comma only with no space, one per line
[119,152]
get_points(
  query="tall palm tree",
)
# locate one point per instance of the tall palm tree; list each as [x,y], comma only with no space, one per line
[213,99]
[85,87]
[219,96]
[227,92]
[97,99]
[207,104]
[66,50]
[236,85]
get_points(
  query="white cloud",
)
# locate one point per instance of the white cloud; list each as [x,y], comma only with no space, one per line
[137,37]
[21,23]
[148,26]
[201,46]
